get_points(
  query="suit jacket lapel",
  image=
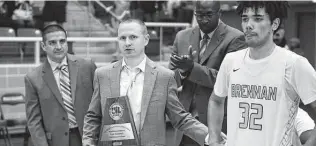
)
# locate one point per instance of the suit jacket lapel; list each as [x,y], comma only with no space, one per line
[49,78]
[215,41]
[115,79]
[195,42]
[73,71]
[149,82]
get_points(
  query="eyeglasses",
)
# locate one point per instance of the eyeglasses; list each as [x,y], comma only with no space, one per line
[208,15]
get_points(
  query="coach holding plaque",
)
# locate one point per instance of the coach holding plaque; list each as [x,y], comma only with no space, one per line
[132,96]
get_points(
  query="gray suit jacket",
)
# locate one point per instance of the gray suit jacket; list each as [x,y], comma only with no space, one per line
[159,98]
[46,115]
[198,85]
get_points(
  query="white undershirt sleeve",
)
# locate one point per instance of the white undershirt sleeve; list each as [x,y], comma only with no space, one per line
[303,122]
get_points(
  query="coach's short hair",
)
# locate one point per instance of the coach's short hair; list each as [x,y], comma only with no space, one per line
[275,9]
[138,21]
[52,28]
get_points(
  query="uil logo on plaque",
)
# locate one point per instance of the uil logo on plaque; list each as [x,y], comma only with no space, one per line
[116,111]
[118,127]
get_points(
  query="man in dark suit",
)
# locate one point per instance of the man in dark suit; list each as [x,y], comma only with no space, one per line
[58,93]
[151,90]
[197,55]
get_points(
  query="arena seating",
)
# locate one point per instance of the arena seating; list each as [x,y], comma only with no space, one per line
[27,47]
[8,48]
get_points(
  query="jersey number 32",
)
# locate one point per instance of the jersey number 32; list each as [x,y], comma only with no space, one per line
[249,119]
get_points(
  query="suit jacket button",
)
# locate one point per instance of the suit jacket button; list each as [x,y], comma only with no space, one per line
[64,118]
[66,133]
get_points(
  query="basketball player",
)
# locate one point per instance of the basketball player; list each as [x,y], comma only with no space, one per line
[264,84]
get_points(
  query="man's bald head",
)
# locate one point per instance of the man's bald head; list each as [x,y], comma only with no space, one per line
[206,4]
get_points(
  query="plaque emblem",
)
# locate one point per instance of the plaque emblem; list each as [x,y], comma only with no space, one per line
[116,111]
[118,127]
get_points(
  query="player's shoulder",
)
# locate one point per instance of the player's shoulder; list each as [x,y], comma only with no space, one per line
[236,55]
[233,59]
[289,57]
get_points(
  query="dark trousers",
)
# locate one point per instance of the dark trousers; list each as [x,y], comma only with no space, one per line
[74,137]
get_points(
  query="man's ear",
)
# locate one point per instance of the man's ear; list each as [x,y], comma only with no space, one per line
[43,46]
[219,13]
[147,37]
[275,24]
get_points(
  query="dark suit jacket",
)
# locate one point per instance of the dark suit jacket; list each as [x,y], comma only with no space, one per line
[198,85]
[46,115]
[159,98]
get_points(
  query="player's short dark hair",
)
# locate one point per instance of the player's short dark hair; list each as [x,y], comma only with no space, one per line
[138,21]
[275,9]
[52,28]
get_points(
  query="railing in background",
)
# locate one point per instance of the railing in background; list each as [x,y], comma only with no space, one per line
[148,24]
[164,24]
[37,41]
[37,48]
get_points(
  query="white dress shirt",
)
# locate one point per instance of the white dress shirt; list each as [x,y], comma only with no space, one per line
[128,76]
[56,72]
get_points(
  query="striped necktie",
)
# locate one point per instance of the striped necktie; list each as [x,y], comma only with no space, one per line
[203,44]
[66,94]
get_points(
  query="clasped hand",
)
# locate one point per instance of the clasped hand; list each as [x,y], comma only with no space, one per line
[184,62]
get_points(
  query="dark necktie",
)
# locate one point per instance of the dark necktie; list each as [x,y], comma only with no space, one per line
[203,45]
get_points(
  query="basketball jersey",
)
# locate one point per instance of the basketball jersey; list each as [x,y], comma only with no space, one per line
[262,101]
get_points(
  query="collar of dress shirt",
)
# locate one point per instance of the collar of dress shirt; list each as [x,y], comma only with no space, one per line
[141,65]
[54,65]
[211,33]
